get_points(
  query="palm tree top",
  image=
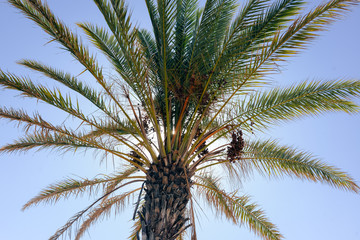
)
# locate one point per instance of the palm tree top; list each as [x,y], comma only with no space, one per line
[182,100]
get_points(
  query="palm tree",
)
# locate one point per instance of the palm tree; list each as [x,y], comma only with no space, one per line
[180,108]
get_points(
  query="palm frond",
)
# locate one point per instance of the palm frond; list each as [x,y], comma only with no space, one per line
[251,33]
[104,209]
[155,20]
[52,97]
[215,198]
[215,20]
[237,209]
[21,117]
[167,15]
[46,135]
[254,217]
[109,45]
[75,84]
[308,98]
[274,160]
[78,187]
[135,230]
[252,64]
[79,215]
[185,23]
[64,189]
[92,95]
[40,13]
[149,47]
[65,103]
[305,28]
[118,18]
[298,35]
[247,16]
[45,139]
[71,141]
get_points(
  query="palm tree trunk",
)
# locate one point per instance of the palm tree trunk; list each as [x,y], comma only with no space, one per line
[167,192]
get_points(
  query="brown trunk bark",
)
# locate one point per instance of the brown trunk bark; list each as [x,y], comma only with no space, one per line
[167,192]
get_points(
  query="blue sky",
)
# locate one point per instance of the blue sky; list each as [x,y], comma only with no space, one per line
[301,210]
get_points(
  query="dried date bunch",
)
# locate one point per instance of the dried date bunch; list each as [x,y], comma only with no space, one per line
[236,147]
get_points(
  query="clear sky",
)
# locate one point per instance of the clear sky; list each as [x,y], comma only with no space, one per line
[301,210]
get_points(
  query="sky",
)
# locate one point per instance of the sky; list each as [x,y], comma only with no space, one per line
[301,209]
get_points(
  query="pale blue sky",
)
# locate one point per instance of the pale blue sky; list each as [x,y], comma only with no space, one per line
[301,210]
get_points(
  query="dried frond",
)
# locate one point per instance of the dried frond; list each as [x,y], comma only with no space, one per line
[21,116]
[67,227]
[116,203]
[135,234]
[78,187]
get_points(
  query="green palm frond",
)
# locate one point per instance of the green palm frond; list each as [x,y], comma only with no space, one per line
[237,209]
[185,23]
[109,45]
[305,28]
[264,109]
[40,13]
[52,97]
[299,34]
[162,15]
[149,47]
[118,18]
[167,14]
[253,63]
[249,34]
[73,83]
[247,16]
[56,99]
[70,81]
[124,40]
[273,160]
[155,21]
[215,19]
